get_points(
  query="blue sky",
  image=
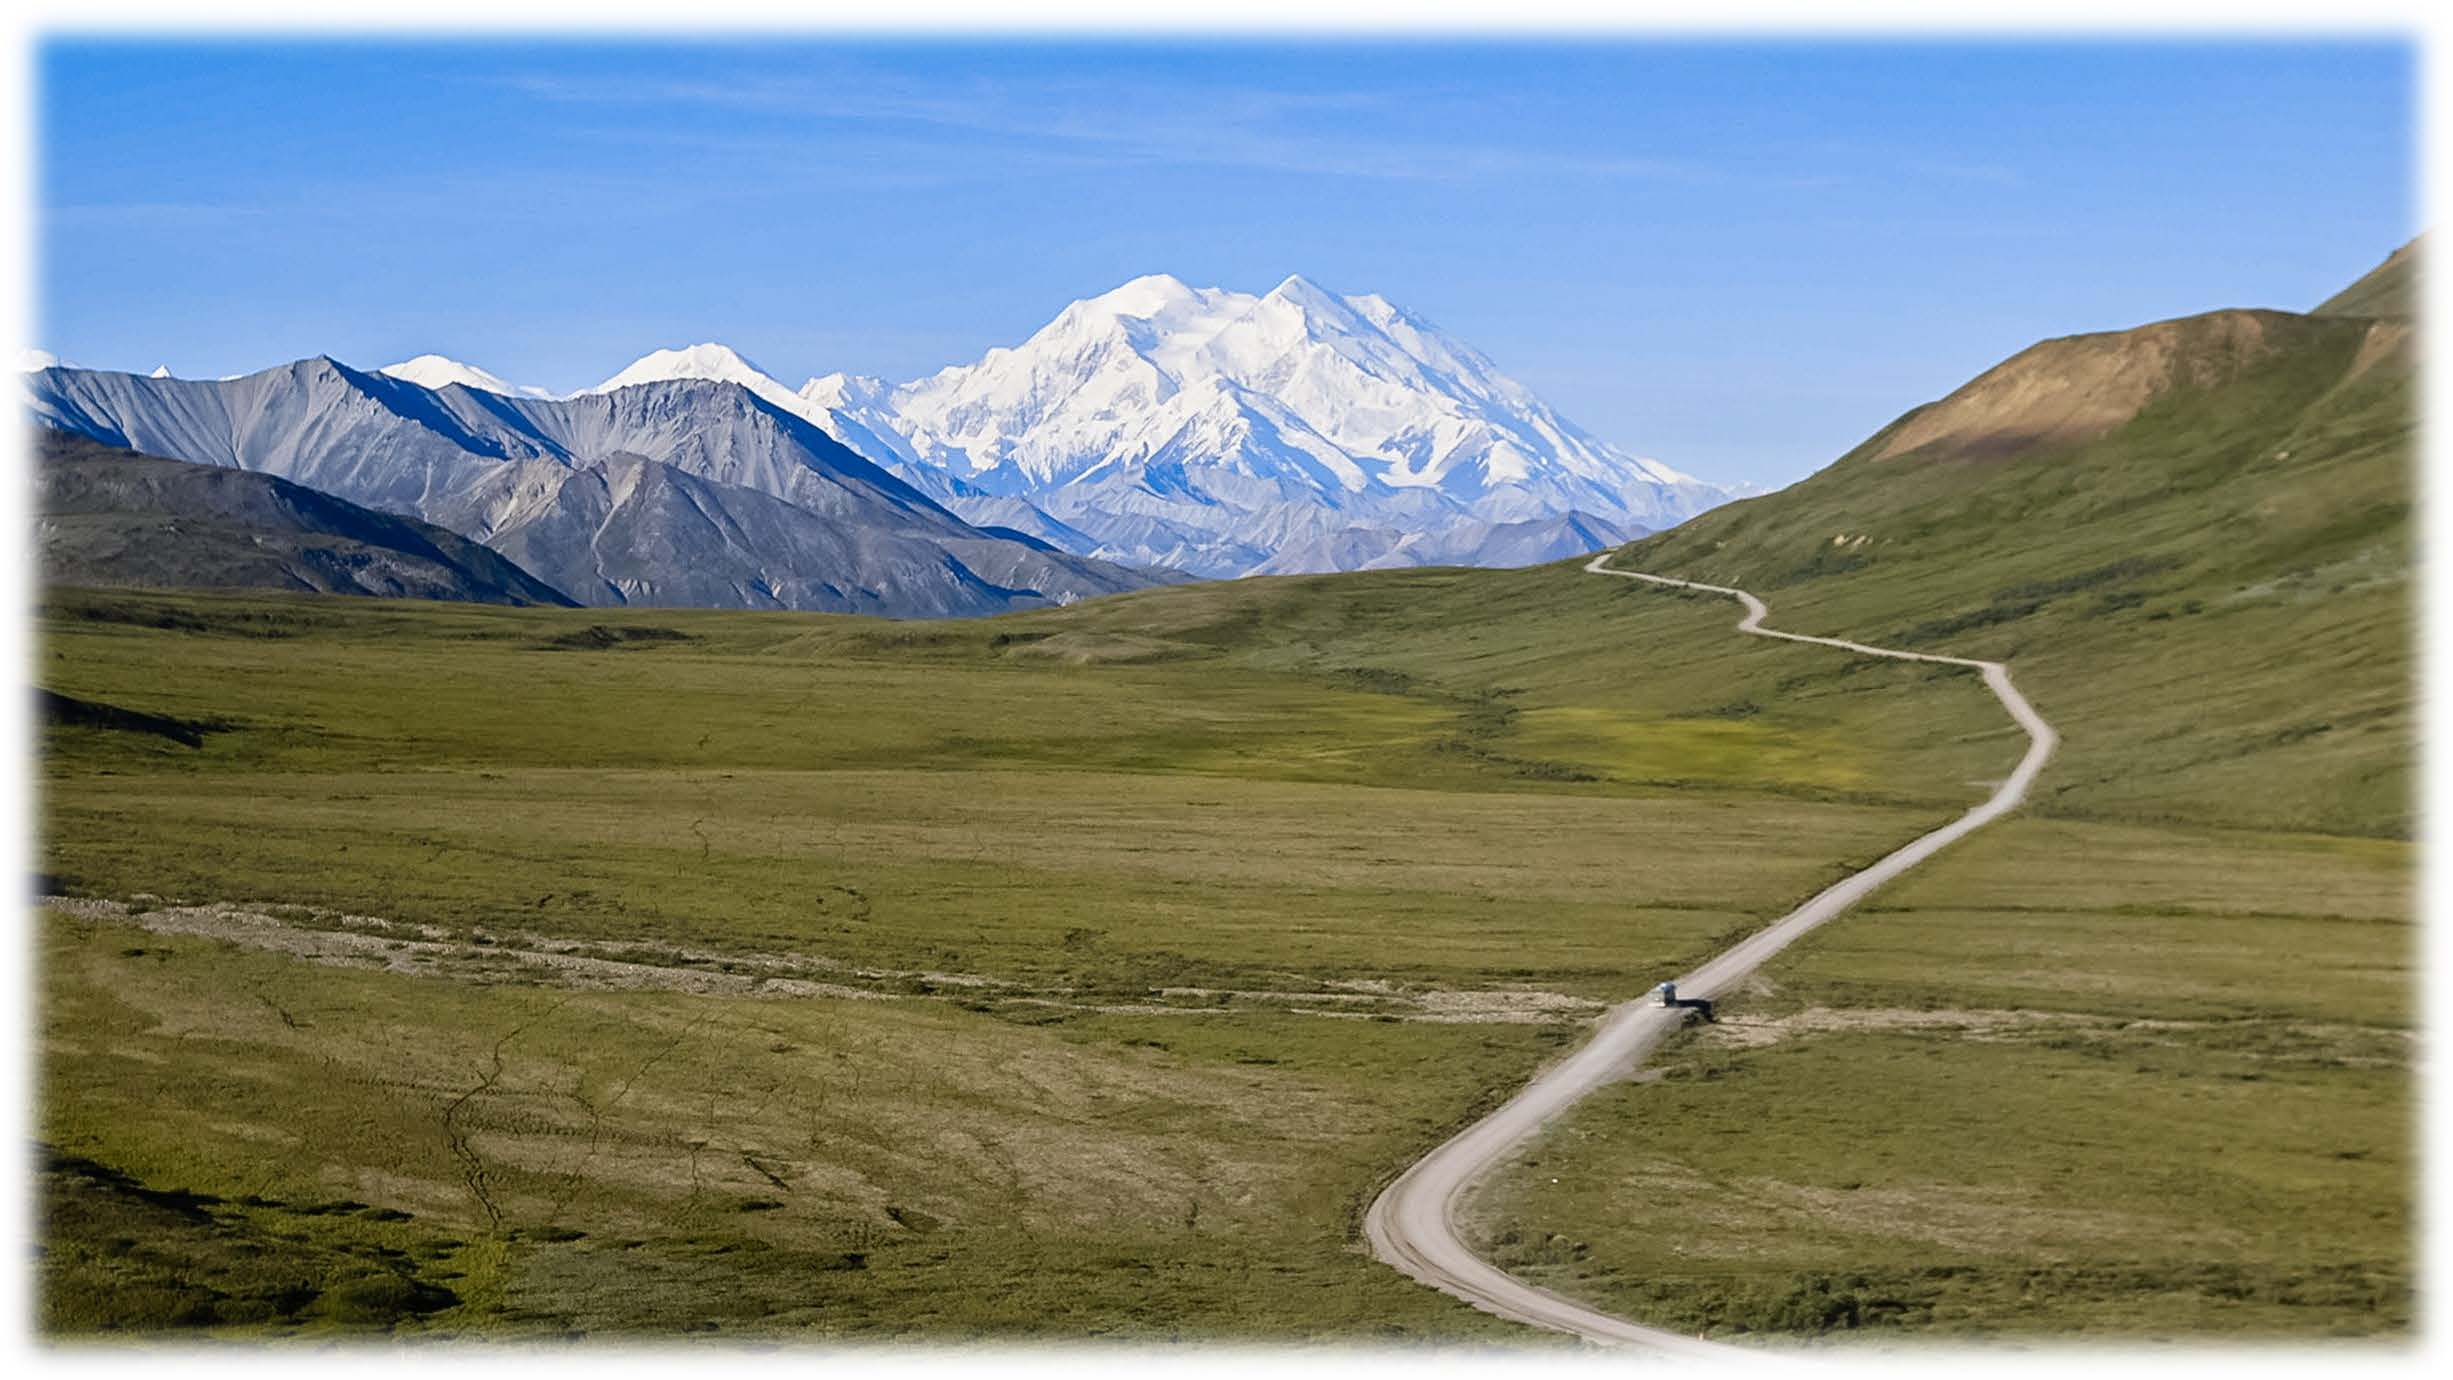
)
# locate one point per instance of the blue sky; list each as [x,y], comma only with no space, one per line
[1738,257]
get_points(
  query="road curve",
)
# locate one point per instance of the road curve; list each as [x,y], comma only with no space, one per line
[1412,1223]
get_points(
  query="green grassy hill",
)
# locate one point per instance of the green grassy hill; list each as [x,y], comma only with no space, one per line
[2191,541]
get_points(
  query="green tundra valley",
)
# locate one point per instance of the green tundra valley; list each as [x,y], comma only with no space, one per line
[448,969]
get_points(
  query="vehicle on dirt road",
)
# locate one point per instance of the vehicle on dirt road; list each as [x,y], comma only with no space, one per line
[1667,995]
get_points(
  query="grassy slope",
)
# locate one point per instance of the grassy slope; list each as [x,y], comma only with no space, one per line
[2212,602]
[1435,781]
[2389,289]
[2085,1079]
[983,801]
[2140,1066]
[603,1161]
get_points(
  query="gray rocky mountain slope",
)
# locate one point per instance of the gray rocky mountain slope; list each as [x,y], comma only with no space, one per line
[110,517]
[676,492]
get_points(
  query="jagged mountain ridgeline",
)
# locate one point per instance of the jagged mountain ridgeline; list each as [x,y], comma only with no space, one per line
[677,492]
[1156,432]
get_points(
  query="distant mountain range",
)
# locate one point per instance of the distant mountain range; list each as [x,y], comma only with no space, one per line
[1224,434]
[679,492]
[1158,431]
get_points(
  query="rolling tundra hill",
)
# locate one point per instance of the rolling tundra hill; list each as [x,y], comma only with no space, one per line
[2191,541]
[746,505]
[107,516]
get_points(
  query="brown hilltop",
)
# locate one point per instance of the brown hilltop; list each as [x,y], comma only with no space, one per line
[2079,387]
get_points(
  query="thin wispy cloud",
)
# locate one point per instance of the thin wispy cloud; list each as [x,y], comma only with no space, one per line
[1119,123]
[1139,124]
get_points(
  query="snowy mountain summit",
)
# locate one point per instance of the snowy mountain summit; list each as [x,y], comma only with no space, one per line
[437,371]
[1227,434]
[719,363]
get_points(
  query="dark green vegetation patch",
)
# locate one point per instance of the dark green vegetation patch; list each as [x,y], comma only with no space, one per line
[67,710]
[118,1256]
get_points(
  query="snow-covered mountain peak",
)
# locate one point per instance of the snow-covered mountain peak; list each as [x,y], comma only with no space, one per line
[35,361]
[843,390]
[1203,413]
[440,371]
[1307,296]
[1151,294]
[714,363]
[708,360]
[1157,317]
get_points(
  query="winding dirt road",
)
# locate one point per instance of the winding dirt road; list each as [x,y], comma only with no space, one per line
[1412,1225]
